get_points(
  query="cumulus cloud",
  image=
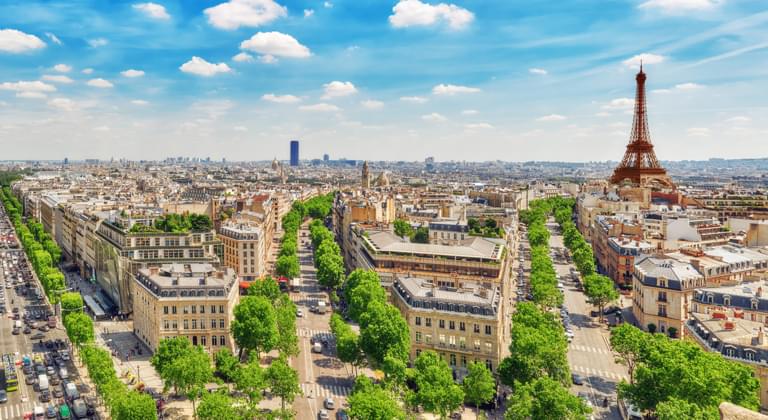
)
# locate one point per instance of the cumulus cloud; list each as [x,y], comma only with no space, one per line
[139,102]
[53,38]
[540,72]
[337,89]
[308,12]
[201,67]
[739,119]
[62,68]
[132,73]
[276,44]
[678,6]
[100,83]
[57,78]
[416,13]
[87,71]
[97,42]
[470,112]
[268,59]
[250,13]
[434,117]
[321,107]
[153,10]
[27,86]
[620,103]
[646,58]
[443,89]
[477,126]
[697,132]
[281,99]
[64,104]
[372,104]
[14,41]
[243,58]
[551,117]
[688,86]
[31,95]
[414,99]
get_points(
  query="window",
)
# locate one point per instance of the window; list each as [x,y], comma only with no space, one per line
[726,300]
[477,345]
[213,309]
[477,329]
[214,341]
[487,330]
[488,347]
[453,360]
[202,340]
[428,322]
[662,296]
[442,340]
[186,324]
[462,327]
[194,324]
[442,323]
[186,310]
[173,310]
[194,309]
[730,352]
[754,304]
[165,310]
[418,337]
[462,343]
[452,341]
[418,320]
[451,325]
[489,365]
[221,341]
[221,324]
[221,309]
[213,324]
[463,360]
[202,309]
[166,324]
[428,338]
[175,324]
[418,352]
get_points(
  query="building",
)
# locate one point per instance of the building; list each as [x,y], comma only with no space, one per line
[245,249]
[189,300]
[462,325]
[294,153]
[448,232]
[365,181]
[617,243]
[663,291]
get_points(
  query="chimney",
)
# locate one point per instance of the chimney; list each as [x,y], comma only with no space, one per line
[760,337]
[759,292]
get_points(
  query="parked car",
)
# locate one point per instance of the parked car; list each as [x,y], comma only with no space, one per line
[577,379]
[329,404]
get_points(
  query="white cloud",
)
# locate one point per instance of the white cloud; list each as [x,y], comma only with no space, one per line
[58,78]
[414,99]
[276,44]
[662,91]
[372,104]
[416,13]
[646,58]
[101,128]
[327,4]
[697,132]
[31,95]
[336,89]
[308,12]
[434,117]
[321,107]
[540,72]
[251,13]
[14,41]
[688,86]
[100,83]
[27,86]
[470,112]
[97,42]
[443,89]
[603,114]
[477,126]
[551,117]
[240,128]
[53,38]
[87,71]
[677,6]
[63,104]
[243,58]
[201,67]
[620,103]
[132,73]
[139,102]
[153,10]
[268,59]
[62,68]
[281,99]
[738,119]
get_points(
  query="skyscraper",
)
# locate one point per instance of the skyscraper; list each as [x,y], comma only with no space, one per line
[294,153]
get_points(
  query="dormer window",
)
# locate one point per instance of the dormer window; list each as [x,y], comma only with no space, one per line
[754,304]
[710,299]
[749,355]
[726,300]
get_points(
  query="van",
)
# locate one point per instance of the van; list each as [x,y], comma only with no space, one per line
[17,324]
[321,307]
[317,347]
[70,389]
[42,381]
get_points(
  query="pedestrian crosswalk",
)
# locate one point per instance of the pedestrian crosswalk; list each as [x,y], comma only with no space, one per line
[589,349]
[10,411]
[322,391]
[319,334]
[597,372]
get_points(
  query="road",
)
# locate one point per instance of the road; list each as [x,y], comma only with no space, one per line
[320,375]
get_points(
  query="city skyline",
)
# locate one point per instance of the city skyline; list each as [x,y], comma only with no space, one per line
[382,81]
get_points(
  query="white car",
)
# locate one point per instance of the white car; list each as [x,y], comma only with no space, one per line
[299,313]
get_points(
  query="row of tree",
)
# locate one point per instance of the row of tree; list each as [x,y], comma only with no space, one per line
[318,208]
[328,259]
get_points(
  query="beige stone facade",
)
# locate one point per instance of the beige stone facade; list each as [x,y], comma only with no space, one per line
[245,249]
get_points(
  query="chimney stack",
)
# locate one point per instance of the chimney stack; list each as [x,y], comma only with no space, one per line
[760,337]
[759,292]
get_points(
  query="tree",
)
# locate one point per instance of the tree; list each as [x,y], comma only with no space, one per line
[599,291]
[250,380]
[366,289]
[383,330]
[330,270]
[437,392]
[403,228]
[71,303]
[266,287]
[421,235]
[216,406]
[675,409]
[79,328]
[133,405]
[283,381]
[629,343]
[285,318]
[479,386]
[545,399]
[372,402]
[169,350]
[226,364]
[651,327]
[347,342]
[584,260]
[254,327]
[189,373]
[287,266]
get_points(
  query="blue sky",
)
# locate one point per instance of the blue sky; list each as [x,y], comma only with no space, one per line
[463,80]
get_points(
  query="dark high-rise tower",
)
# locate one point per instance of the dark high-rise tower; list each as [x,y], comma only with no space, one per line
[294,153]
[640,166]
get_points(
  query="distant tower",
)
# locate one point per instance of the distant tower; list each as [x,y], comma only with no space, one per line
[294,153]
[640,166]
[66,161]
[366,177]
[326,158]
[275,165]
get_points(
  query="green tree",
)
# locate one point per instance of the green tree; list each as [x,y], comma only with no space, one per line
[79,328]
[285,318]
[365,289]
[599,291]
[584,260]
[383,330]
[250,379]
[330,270]
[254,327]
[169,350]
[403,228]
[629,343]
[372,402]
[347,342]
[217,406]
[189,374]
[676,409]
[226,364]
[71,303]
[421,235]
[283,381]
[287,266]
[133,405]
[437,392]
[266,287]
[545,399]
[479,386]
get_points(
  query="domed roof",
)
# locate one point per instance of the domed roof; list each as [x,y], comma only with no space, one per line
[382,180]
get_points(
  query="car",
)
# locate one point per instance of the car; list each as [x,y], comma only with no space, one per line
[64,355]
[577,379]
[322,415]
[342,415]
[611,309]
[3,396]
[29,379]
[328,403]
[15,310]
[44,328]
[37,336]
[79,408]
[45,396]
[58,392]
[27,330]
[16,331]
[299,313]
[51,412]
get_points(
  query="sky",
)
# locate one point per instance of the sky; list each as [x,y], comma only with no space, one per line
[472,80]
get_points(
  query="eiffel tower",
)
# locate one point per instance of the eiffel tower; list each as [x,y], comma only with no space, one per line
[640,166]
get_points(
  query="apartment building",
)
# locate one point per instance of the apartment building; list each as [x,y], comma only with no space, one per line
[245,249]
[195,301]
[725,265]
[617,243]
[462,325]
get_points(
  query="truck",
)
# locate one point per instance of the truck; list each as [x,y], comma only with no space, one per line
[321,307]
[42,381]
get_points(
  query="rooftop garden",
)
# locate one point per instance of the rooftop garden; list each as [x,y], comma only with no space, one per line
[176,223]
